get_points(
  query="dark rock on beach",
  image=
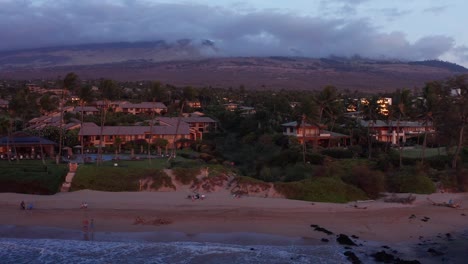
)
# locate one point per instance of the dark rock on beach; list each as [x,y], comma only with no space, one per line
[321,229]
[352,257]
[425,219]
[435,252]
[345,240]
[385,257]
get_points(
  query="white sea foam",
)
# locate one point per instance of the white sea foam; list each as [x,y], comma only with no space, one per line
[74,251]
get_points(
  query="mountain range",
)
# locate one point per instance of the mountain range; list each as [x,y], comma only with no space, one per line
[185,62]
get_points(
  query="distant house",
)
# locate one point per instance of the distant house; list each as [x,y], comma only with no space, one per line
[4,104]
[86,110]
[395,131]
[194,104]
[314,134]
[231,106]
[132,108]
[74,98]
[26,146]
[53,119]
[141,108]
[247,110]
[108,104]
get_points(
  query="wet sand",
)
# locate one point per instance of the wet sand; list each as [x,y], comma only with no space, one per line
[220,214]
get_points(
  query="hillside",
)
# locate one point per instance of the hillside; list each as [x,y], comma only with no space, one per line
[198,64]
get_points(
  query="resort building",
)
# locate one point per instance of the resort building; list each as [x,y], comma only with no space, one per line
[23,146]
[173,129]
[111,135]
[198,125]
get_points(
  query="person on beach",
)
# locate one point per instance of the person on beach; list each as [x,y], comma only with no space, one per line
[85,225]
[22,205]
[84,205]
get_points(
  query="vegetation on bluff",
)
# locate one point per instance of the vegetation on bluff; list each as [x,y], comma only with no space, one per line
[252,144]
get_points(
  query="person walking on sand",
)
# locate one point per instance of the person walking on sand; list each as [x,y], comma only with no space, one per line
[22,205]
[85,225]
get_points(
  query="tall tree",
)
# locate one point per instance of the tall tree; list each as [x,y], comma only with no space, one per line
[426,108]
[68,83]
[155,92]
[401,104]
[370,109]
[85,93]
[327,101]
[455,115]
[109,91]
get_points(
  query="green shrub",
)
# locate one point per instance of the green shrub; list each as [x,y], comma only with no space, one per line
[371,182]
[462,180]
[31,177]
[438,163]
[449,181]
[297,172]
[385,162]
[270,174]
[186,175]
[189,155]
[186,164]
[285,158]
[160,179]
[338,153]
[315,158]
[408,181]
[320,190]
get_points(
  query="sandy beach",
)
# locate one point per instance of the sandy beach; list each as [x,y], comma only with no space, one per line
[419,230]
[221,213]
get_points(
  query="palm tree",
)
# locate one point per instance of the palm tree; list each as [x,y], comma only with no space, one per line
[155,91]
[85,93]
[118,144]
[327,101]
[67,83]
[458,105]
[425,108]
[369,109]
[109,91]
[160,143]
[402,102]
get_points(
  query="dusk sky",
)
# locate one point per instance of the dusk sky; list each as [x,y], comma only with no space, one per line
[401,29]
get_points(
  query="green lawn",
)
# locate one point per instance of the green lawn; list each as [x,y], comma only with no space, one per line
[31,176]
[429,152]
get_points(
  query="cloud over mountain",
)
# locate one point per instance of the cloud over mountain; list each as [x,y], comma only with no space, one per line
[30,24]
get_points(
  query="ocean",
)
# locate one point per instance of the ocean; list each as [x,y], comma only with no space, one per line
[53,245]
[14,250]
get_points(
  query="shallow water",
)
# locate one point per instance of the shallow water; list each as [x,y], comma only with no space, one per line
[54,245]
[16,250]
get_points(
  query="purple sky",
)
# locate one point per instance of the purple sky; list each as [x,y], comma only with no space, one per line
[410,29]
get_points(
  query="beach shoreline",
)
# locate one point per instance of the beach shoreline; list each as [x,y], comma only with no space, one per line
[169,216]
